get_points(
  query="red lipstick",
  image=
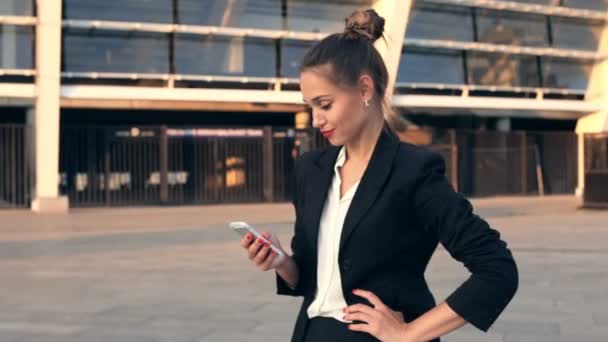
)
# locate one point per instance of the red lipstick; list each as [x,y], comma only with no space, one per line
[328,133]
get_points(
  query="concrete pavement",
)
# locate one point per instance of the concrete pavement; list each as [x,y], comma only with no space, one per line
[177,274]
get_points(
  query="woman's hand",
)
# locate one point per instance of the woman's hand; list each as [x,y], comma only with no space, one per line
[260,252]
[381,322]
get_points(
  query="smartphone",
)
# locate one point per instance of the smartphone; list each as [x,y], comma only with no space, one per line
[243,228]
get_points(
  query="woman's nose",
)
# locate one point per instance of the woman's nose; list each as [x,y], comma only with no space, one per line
[317,121]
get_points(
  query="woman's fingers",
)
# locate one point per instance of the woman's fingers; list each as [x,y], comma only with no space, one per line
[267,264]
[262,254]
[246,240]
[372,298]
[259,251]
[360,308]
[358,316]
[364,328]
[273,239]
[254,248]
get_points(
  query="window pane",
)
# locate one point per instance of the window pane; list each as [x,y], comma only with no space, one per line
[17,7]
[232,56]
[265,14]
[538,2]
[495,69]
[599,5]
[426,66]
[566,73]
[321,16]
[16,47]
[576,34]
[105,51]
[440,22]
[292,54]
[120,10]
[511,28]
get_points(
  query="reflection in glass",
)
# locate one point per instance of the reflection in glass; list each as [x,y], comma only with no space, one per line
[425,66]
[566,73]
[576,34]
[16,44]
[496,69]
[429,21]
[598,5]
[17,7]
[109,51]
[538,2]
[292,53]
[232,56]
[264,14]
[321,15]
[511,28]
[160,11]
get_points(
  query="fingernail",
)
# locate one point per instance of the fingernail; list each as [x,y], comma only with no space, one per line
[248,236]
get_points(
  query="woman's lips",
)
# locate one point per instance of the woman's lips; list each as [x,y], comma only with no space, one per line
[328,133]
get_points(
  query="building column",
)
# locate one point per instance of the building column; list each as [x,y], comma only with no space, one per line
[396,14]
[597,90]
[580,166]
[46,112]
[593,123]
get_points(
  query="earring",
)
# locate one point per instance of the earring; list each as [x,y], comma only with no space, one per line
[366,103]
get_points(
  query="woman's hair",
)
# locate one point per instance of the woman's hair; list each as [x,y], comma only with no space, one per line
[344,57]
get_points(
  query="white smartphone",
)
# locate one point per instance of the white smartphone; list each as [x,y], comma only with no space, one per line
[243,228]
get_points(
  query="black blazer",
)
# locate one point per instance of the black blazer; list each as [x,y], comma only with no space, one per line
[403,207]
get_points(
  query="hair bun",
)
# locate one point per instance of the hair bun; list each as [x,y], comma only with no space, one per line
[365,24]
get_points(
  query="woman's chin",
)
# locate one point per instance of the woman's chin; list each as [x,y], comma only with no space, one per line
[335,142]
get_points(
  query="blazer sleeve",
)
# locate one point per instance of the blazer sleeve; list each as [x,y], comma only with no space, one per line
[282,286]
[469,239]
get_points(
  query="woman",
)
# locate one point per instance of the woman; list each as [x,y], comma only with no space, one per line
[371,210]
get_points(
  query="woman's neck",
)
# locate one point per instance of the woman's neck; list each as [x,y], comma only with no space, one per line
[360,149]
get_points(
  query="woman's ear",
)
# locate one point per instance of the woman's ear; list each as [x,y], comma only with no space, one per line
[366,87]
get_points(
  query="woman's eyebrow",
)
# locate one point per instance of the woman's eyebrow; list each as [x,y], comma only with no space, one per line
[317,98]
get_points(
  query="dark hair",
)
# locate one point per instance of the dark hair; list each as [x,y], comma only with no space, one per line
[349,54]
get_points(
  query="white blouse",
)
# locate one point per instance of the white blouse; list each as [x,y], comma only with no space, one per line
[329,300]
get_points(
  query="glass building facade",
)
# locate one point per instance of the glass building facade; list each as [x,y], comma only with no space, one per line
[16,41]
[431,21]
[151,54]
[433,53]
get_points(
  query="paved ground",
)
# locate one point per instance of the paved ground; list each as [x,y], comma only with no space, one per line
[177,274]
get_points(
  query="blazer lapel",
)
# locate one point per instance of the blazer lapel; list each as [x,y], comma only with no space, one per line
[317,190]
[372,182]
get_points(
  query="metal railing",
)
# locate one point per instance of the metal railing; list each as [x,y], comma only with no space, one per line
[15,171]
[122,166]
[117,166]
[502,48]
[596,170]
[489,163]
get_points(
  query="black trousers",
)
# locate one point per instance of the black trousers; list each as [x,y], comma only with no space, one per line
[325,329]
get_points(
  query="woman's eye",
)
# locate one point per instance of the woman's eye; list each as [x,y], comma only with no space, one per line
[326,107]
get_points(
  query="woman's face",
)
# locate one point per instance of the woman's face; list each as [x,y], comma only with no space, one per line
[340,114]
